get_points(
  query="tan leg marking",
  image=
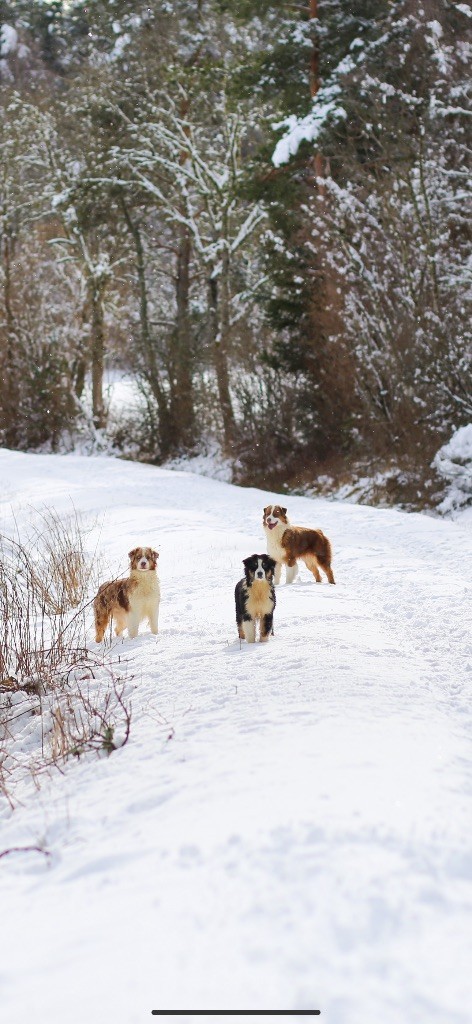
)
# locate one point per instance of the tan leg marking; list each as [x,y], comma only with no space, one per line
[312,564]
[329,572]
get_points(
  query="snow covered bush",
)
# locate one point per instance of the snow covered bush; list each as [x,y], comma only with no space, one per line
[386,227]
[453,462]
[56,696]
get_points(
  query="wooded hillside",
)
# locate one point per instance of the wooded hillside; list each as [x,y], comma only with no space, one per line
[257,210]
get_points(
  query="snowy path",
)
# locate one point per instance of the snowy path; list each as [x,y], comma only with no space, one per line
[303,839]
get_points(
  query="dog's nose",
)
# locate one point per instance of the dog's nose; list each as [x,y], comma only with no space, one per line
[260,574]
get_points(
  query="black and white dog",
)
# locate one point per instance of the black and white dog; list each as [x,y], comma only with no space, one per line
[255,598]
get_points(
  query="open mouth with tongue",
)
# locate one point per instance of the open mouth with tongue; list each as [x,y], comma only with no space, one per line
[271,525]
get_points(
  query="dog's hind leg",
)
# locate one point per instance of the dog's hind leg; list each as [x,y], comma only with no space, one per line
[119,619]
[101,621]
[312,564]
[328,570]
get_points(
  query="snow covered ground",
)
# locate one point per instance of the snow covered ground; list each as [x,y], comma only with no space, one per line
[289,825]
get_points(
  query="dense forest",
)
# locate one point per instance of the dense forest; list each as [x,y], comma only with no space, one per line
[257,211]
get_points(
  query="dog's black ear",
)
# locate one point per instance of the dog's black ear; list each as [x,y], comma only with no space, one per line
[269,563]
[155,554]
[284,510]
[132,553]
[250,562]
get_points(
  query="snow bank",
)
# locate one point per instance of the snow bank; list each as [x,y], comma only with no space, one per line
[209,462]
[288,826]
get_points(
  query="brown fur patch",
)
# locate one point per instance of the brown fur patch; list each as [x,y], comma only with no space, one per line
[312,546]
[299,541]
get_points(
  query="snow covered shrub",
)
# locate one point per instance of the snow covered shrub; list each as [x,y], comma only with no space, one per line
[66,569]
[453,462]
[43,580]
[56,698]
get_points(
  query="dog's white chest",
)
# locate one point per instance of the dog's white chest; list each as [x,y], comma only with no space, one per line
[146,595]
[274,547]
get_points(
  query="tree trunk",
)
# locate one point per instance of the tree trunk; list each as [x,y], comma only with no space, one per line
[79,373]
[9,383]
[315,53]
[219,330]
[166,439]
[182,407]
[97,354]
[319,162]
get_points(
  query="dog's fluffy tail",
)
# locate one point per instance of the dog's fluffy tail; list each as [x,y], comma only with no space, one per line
[101,619]
[101,611]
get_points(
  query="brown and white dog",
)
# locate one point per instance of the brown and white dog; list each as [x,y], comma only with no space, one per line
[287,543]
[132,600]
